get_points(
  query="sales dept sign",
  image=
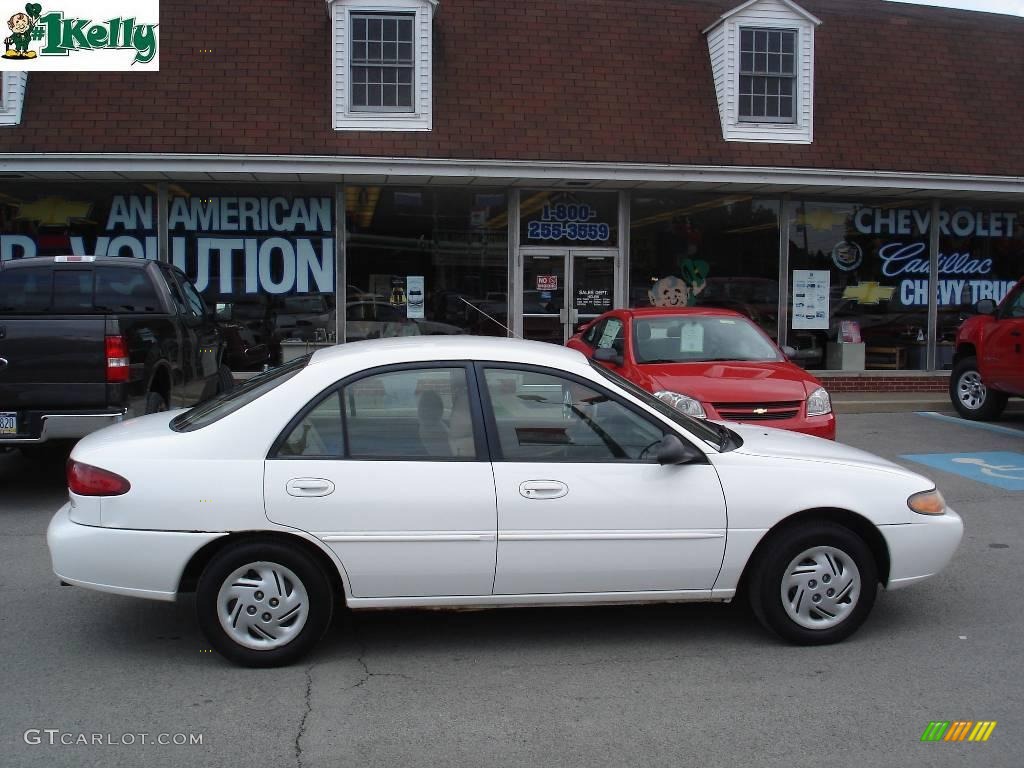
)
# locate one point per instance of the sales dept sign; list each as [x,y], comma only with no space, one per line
[75,35]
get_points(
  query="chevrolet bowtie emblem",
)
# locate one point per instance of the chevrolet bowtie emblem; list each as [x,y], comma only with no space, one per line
[760,410]
[868,293]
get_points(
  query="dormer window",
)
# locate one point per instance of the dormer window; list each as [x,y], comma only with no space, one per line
[762,59]
[382,68]
[768,82]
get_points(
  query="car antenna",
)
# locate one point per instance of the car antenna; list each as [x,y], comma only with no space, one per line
[474,306]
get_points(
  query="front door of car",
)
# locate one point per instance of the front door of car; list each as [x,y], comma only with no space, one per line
[391,471]
[1005,345]
[583,506]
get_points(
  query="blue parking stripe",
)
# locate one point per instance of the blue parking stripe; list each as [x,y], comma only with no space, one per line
[974,424]
[1003,469]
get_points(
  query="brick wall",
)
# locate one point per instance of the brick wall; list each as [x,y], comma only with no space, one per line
[938,382]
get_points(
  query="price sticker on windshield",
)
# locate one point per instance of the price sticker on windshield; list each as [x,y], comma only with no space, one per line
[691,338]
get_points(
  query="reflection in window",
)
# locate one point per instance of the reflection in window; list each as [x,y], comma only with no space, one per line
[410,414]
[319,434]
[540,417]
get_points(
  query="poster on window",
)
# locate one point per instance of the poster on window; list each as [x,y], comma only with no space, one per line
[810,299]
[414,296]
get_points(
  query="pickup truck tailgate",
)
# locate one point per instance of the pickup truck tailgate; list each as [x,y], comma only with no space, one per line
[52,362]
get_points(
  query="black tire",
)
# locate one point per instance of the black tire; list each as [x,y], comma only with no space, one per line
[225,380]
[772,567]
[155,403]
[969,395]
[278,556]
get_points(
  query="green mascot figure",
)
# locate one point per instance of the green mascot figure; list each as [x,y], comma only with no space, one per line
[21,25]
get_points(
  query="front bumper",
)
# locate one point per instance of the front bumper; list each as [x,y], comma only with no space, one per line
[919,550]
[39,427]
[125,562]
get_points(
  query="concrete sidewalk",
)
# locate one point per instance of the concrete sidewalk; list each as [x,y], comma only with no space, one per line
[900,402]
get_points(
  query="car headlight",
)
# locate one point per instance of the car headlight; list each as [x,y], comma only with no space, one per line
[682,403]
[927,503]
[819,403]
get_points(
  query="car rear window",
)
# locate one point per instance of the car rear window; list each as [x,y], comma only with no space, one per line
[90,290]
[216,409]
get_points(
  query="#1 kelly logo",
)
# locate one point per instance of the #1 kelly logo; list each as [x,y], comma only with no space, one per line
[103,38]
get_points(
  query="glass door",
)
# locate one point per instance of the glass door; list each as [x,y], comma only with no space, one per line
[563,288]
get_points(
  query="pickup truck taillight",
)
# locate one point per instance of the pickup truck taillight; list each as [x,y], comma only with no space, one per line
[117,360]
[87,480]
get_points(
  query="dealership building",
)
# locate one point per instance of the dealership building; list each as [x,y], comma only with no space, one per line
[847,173]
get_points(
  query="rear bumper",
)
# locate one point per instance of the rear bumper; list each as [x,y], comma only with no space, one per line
[39,427]
[125,562]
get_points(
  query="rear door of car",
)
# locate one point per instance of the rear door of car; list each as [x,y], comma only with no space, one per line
[390,469]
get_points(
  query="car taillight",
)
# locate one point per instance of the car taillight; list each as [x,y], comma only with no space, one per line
[87,480]
[117,360]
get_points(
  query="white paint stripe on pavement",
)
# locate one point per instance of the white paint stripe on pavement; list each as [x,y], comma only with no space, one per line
[969,423]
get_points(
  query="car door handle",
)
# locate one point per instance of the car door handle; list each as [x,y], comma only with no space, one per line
[543,489]
[309,486]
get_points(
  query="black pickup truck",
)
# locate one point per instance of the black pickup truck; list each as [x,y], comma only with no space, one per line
[87,341]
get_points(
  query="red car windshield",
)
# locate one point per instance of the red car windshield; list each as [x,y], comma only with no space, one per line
[699,338]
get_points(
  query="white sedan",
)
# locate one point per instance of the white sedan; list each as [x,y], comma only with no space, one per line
[466,471]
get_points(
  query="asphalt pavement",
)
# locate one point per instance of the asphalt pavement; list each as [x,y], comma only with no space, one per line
[667,685]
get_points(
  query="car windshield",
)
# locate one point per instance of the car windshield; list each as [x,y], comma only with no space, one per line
[216,409]
[699,338]
[716,435]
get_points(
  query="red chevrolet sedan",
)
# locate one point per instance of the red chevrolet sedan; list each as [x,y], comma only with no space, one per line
[710,363]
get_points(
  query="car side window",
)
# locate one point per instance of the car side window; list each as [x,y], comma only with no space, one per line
[176,297]
[1014,306]
[320,433]
[593,333]
[410,414]
[195,303]
[543,417]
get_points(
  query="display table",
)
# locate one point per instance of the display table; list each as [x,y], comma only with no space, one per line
[295,348]
[886,358]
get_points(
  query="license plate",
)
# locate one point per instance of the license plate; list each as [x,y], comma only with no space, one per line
[8,423]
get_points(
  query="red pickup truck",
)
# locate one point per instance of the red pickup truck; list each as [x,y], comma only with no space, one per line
[988,366]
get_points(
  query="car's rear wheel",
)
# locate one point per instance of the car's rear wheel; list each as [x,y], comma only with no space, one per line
[263,603]
[813,584]
[971,398]
[155,403]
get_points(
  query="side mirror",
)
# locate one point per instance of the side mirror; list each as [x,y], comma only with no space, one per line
[607,355]
[674,451]
[985,307]
[789,351]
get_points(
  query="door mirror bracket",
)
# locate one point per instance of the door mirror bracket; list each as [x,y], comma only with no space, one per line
[674,451]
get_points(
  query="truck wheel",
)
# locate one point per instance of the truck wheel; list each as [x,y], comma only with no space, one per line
[225,380]
[155,403]
[971,398]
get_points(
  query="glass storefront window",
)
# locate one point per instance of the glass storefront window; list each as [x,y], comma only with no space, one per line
[699,250]
[84,219]
[564,218]
[981,256]
[265,258]
[425,262]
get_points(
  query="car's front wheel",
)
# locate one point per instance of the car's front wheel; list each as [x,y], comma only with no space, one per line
[814,584]
[263,603]
[971,398]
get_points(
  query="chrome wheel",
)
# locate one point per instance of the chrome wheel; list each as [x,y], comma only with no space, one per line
[820,587]
[262,606]
[970,390]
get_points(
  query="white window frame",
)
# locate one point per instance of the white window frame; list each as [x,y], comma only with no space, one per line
[795,77]
[12,97]
[724,48]
[345,118]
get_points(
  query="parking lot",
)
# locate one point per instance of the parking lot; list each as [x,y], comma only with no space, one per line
[665,685]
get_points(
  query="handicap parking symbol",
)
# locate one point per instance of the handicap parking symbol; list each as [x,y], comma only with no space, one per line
[1003,469]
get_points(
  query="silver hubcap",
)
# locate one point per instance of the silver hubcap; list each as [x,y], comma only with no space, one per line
[970,391]
[820,587]
[262,606]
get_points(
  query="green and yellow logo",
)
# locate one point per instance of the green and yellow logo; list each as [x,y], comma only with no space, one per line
[958,730]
